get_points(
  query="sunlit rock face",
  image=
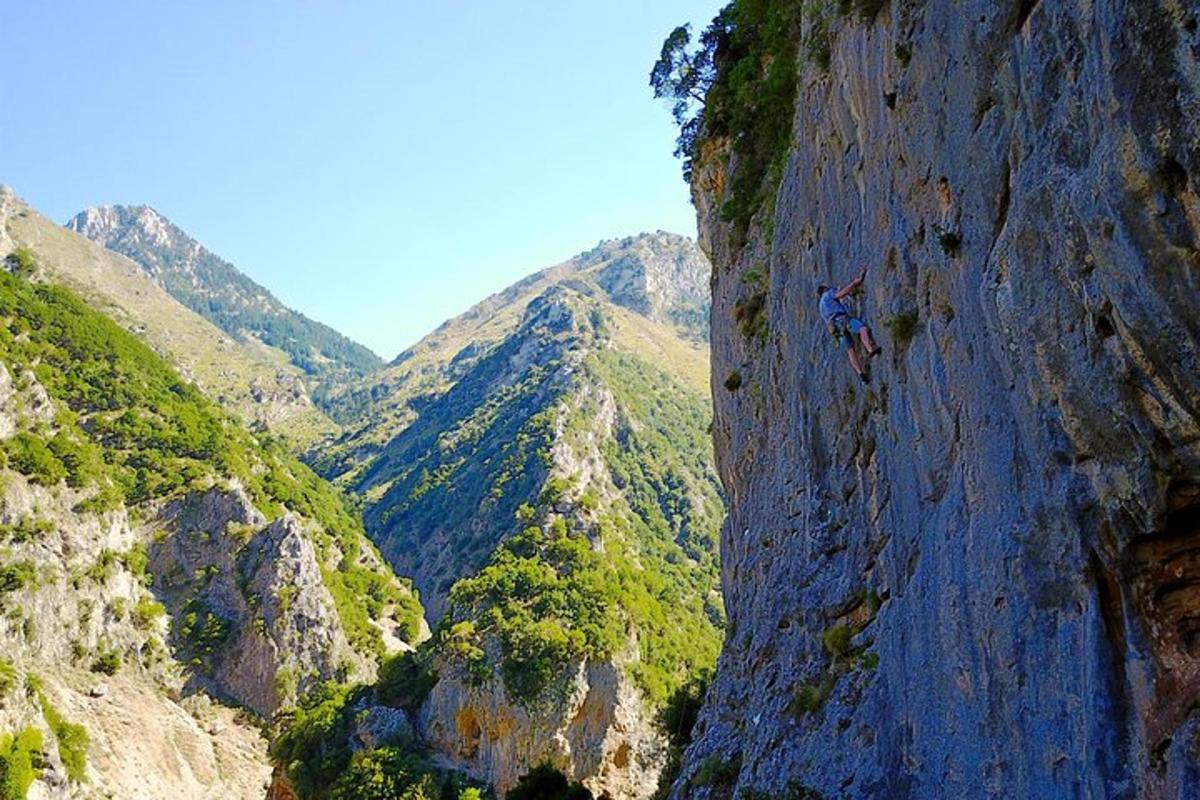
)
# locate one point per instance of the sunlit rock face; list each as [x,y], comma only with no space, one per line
[977,576]
[593,727]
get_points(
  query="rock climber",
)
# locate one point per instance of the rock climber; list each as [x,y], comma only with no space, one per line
[843,326]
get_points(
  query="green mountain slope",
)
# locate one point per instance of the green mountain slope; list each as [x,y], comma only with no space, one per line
[661,276]
[218,291]
[127,431]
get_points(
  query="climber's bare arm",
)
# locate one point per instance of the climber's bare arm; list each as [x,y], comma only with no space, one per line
[852,287]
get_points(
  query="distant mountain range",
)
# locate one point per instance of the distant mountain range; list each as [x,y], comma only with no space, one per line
[218,291]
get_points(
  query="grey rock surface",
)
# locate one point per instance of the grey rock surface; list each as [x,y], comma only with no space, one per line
[284,635]
[1006,519]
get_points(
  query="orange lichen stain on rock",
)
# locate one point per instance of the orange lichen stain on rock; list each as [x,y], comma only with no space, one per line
[469,732]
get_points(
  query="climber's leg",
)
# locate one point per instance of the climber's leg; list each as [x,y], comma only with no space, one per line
[854,362]
[864,332]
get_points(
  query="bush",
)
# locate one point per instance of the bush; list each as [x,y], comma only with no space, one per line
[103,568]
[72,740]
[8,678]
[30,455]
[751,321]
[386,773]
[811,697]
[137,560]
[22,262]
[717,771]
[903,327]
[16,576]
[147,612]
[201,630]
[545,782]
[107,662]
[837,640]
[866,9]
[20,762]
[27,528]
[404,682]
[314,747]
[949,240]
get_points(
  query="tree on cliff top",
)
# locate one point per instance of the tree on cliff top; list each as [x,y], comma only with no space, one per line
[684,77]
[740,84]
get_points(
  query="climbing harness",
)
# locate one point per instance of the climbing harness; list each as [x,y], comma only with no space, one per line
[839,325]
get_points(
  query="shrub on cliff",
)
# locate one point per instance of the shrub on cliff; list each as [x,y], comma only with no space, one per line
[30,455]
[314,746]
[386,773]
[544,782]
[404,682]
[740,84]
[20,762]
[21,262]
[72,738]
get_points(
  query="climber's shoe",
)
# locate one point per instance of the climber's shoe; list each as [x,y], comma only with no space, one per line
[864,377]
[876,352]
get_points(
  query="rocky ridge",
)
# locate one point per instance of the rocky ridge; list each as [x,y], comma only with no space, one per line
[661,276]
[554,432]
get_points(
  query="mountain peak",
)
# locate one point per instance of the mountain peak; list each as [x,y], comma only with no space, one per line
[661,275]
[218,291]
[107,225]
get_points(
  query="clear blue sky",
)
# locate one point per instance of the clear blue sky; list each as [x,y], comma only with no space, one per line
[379,165]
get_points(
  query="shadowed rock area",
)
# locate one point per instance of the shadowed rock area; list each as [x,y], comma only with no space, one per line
[976,577]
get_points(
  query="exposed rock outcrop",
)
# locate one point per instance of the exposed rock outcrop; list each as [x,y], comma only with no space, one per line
[89,607]
[280,631]
[975,577]
[592,726]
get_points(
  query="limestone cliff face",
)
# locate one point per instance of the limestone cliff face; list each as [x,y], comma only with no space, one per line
[977,576]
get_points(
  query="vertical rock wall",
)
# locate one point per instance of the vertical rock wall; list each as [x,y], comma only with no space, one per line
[980,575]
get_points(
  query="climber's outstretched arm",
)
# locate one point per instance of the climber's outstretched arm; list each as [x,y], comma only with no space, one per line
[851,287]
